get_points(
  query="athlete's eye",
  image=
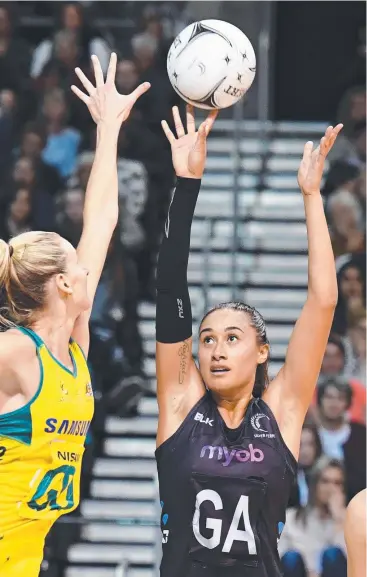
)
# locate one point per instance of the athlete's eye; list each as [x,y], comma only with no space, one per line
[232,338]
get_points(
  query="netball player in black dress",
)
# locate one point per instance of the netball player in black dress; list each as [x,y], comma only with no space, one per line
[228,440]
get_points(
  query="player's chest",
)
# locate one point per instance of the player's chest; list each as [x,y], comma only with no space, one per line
[213,454]
[64,407]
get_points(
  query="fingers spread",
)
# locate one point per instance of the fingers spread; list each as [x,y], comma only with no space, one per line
[111,72]
[180,131]
[190,119]
[168,132]
[98,74]
[80,94]
[84,80]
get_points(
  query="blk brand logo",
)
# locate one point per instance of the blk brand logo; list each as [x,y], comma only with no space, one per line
[204,420]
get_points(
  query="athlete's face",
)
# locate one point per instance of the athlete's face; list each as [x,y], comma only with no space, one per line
[331,481]
[229,352]
[74,281]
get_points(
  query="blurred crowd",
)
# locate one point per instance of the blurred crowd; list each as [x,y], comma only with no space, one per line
[332,460]
[46,153]
[47,141]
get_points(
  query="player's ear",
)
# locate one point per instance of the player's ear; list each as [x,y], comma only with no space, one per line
[63,284]
[263,354]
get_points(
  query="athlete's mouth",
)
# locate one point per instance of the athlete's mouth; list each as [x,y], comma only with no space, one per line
[219,370]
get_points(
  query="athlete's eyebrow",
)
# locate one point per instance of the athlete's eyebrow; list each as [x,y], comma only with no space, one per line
[226,330]
[205,331]
[233,329]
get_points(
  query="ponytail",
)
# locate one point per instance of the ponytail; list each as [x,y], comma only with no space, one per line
[5,272]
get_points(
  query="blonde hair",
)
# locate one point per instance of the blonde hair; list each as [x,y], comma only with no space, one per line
[27,264]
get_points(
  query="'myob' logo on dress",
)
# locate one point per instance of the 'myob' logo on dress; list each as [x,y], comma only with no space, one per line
[241,455]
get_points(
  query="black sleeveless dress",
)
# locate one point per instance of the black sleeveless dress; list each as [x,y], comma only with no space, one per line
[224,494]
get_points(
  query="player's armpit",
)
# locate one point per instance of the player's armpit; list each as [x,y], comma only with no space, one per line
[17,378]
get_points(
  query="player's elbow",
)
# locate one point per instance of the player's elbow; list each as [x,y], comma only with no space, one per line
[107,219]
[325,300]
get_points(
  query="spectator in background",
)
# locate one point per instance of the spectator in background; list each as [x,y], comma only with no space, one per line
[337,362]
[59,72]
[14,53]
[66,56]
[115,338]
[355,343]
[72,19]
[32,143]
[340,439]
[312,543]
[70,217]
[345,208]
[62,141]
[7,130]
[352,296]
[310,451]
[43,206]
[133,195]
[157,103]
[82,170]
[360,142]
[351,112]
[16,215]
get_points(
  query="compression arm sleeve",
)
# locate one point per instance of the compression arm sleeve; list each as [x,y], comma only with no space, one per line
[173,315]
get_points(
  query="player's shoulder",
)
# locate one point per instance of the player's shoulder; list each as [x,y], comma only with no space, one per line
[15,345]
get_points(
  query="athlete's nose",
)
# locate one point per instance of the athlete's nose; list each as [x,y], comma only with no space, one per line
[218,353]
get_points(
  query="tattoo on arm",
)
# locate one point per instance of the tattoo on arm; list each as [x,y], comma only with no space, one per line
[184,354]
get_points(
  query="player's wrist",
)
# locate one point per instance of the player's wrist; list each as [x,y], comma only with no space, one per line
[188,176]
[108,129]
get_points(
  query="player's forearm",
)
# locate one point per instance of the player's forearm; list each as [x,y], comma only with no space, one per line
[322,283]
[173,315]
[101,199]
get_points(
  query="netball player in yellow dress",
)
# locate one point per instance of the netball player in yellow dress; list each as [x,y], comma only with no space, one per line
[46,399]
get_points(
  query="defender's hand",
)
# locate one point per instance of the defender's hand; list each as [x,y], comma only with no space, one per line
[189,150]
[105,104]
[312,165]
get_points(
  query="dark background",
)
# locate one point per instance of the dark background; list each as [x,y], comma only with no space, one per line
[315,46]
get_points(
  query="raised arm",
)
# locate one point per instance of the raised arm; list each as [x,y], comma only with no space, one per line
[179,385]
[109,110]
[290,394]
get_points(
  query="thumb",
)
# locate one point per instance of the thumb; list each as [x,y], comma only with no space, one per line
[139,91]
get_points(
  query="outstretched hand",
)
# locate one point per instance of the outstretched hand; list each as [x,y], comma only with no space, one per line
[189,149]
[312,166]
[105,104]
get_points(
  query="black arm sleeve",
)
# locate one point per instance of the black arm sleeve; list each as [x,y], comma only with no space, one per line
[173,315]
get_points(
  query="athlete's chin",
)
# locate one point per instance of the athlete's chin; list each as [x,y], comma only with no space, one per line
[220,381]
